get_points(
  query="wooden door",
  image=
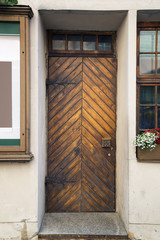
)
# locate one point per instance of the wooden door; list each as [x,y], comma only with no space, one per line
[81,111]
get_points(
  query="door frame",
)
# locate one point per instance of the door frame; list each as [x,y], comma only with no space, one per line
[67,53]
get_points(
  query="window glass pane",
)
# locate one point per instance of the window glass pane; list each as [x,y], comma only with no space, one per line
[147,41]
[158,43]
[158,63]
[104,43]
[147,64]
[74,42]
[158,95]
[147,118]
[147,95]
[59,42]
[159,117]
[89,42]
[9,28]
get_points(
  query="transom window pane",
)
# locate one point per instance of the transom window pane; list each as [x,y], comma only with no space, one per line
[147,64]
[89,42]
[58,42]
[77,41]
[74,42]
[147,41]
[147,95]
[104,43]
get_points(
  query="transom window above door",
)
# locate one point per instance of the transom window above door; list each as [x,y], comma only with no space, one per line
[102,43]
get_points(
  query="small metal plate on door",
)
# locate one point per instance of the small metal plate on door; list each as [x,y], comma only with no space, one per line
[106,142]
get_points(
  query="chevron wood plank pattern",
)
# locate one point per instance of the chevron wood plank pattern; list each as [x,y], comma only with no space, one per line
[81,111]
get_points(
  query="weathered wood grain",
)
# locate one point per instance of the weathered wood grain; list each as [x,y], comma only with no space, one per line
[81,173]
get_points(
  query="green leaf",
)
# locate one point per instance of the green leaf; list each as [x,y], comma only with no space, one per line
[9,2]
[3,2]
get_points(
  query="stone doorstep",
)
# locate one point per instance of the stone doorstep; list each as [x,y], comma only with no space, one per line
[82,226]
[82,238]
[78,237]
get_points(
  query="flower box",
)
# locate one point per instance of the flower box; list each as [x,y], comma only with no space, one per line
[147,155]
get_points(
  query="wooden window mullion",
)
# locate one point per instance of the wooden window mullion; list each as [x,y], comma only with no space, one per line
[138,40]
[81,45]
[66,45]
[138,106]
[156,108]
[156,52]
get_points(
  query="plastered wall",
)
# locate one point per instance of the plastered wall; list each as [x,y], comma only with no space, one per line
[42,116]
[19,181]
[138,187]
[122,164]
[97,4]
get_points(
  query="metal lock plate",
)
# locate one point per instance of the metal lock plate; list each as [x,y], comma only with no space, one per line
[106,142]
